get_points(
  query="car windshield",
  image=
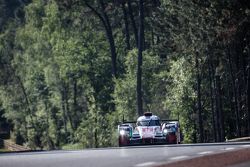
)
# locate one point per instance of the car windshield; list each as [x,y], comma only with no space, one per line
[170,126]
[149,123]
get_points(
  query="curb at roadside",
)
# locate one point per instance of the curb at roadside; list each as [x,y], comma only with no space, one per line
[227,159]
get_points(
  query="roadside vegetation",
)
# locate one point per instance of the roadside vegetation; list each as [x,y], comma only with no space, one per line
[3,150]
[71,69]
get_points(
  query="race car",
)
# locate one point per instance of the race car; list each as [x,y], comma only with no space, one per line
[172,132]
[147,130]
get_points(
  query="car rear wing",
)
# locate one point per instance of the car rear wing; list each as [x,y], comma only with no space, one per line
[169,120]
[174,122]
[161,120]
[149,114]
[128,122]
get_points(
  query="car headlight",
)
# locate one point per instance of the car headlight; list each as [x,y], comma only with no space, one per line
[165,131]
[122,132]
[136,131]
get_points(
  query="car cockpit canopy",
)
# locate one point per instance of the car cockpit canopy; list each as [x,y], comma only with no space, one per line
[148,119]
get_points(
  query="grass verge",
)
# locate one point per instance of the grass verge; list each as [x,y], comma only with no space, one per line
[76,146]
[3,150]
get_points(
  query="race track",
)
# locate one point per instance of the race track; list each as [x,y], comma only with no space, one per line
[140,156]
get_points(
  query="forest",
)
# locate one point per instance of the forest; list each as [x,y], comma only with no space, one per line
[70,70]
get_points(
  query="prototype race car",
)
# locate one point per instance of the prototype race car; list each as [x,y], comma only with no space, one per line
[171,130]
[148,129]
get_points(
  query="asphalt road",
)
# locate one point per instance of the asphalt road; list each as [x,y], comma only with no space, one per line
[121,157]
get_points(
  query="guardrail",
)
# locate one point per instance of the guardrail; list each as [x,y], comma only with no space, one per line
[239,139]
[12,146]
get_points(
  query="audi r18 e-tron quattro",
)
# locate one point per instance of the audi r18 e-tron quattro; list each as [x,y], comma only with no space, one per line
[149,129]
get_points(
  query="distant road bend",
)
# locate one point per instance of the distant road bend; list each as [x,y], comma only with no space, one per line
[140,156]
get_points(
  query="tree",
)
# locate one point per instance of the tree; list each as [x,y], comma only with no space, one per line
[71,69]
[140,50]
[108,29]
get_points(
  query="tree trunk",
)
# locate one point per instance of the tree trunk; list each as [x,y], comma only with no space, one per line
[217,111]
[75,106]
[64,111]
[238,97]
[212,96]
[68,113]
[238,82]
[222,129]
[235,101]
[109,33]
[27,101]
[194,119]
[220,115]
[96,133]
[152,37]
[248,98]
[130,11]
[198,79]
[139,66]
[125,17]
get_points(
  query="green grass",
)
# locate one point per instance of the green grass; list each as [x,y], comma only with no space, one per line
[76,146]
[3,150]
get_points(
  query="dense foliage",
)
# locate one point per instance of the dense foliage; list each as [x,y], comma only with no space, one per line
[69,68]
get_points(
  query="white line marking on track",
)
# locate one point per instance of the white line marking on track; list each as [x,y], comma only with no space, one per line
[205,152]
[179,157]
[245,146]
[146,164]
[228,149]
